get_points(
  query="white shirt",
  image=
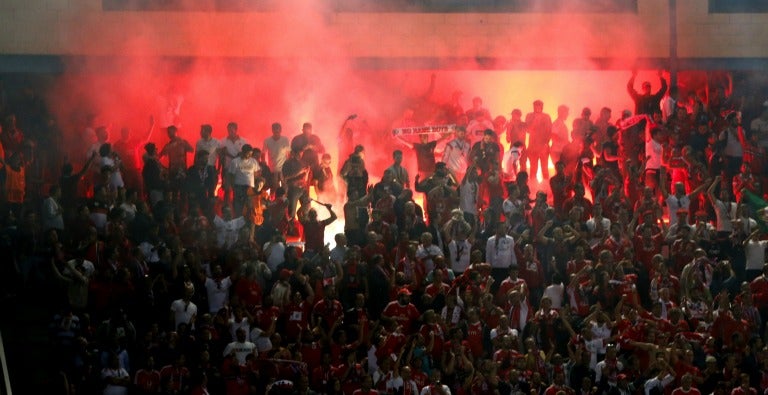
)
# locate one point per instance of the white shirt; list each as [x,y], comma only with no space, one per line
[211,146]
[231,149]
[244,171]
[604,222]
[87,266]
[423,252]
[600,332]
[456,155]
[675,203]
[113,389]
[468,193]
[243,324]
[593,347]
[755,252]
[427,390]
[502,255]
[523,317]
[555,293]
[276,255]
[150,252]
[511,161]
[724,212]
[601,365]
[654,150]
[476,129]
[277,151]
[52,215]
[241,349]
[668,105]
[129,209]
[748,224]
[218,293]
[654,382]
[183,312]
[338,253]
[733,146]
[116,179]
[262,342]
[459,262]
[227,231]
[509,207]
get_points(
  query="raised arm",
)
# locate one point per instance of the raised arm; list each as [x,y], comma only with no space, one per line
[87,165]
[711,190]
[343,127]
[700,188]
[404,142]
[631,85]
[333,216]
[151,129]
[664,86]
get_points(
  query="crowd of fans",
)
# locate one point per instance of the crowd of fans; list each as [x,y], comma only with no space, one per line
[638,267]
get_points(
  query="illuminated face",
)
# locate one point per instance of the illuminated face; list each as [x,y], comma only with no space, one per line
[646,88]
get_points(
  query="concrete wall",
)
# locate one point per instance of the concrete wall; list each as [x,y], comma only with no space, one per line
[702,35]
[81,27]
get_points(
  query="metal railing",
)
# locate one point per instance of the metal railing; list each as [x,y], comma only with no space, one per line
[6,388]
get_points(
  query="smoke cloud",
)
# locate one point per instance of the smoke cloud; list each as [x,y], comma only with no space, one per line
[309,74]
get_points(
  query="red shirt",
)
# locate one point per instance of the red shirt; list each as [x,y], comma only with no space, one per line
[759,288]
[435,289]
[682,367]
[575,266]
[177,376]
[644,251]
[681,391]
[329,310]
[506,355]
[554,389]
[404,315]
[436,330]
[532,273]
[314,234]
[311,353]
[370,250]
[475,338]
[320,377]
[615,247]
[578,298]
[393,343]
[249,292]
[296,318]
[420,378]
[508,284]
[490,316]
[147,381]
